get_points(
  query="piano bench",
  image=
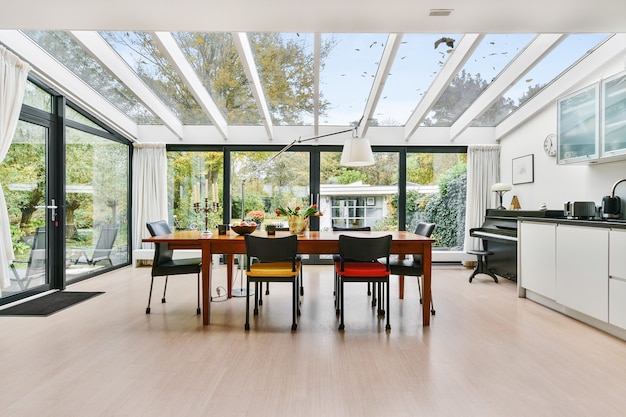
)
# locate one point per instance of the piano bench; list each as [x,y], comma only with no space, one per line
[481,264]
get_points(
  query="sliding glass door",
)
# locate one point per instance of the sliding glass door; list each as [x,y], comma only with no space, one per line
[24,180]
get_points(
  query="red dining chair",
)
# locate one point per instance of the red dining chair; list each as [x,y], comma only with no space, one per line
[358,262]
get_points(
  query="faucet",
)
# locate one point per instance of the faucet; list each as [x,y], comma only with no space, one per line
[615,186]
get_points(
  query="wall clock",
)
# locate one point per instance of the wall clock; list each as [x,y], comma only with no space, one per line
[549,144]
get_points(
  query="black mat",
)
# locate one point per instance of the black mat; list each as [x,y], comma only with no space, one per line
[48,304]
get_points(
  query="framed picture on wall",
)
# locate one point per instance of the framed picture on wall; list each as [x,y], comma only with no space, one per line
[523,169]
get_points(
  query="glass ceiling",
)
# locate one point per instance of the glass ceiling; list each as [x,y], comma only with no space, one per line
[302,79]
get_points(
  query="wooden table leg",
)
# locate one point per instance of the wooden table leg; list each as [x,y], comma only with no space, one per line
[401,280]
[230,259]
[206,282]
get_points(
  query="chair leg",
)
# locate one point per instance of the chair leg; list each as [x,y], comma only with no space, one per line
[419,287]
[198,310]
[432,306]
[256,298]
[247,325]
[150,295]
[164,290]
[267,288]
[294,303]
[381,298]
[388,326]
[260,291]
[341,305]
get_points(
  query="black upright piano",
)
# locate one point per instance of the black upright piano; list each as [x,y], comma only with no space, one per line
[499,235]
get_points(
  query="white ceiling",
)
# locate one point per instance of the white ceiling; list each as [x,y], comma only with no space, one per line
[334,16]
[410,16]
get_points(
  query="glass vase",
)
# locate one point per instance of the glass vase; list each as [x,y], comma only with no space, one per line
[298,224]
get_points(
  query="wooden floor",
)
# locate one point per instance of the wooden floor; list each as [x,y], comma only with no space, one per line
[486,353]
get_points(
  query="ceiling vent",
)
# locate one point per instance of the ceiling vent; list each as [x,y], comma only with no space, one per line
[440,12]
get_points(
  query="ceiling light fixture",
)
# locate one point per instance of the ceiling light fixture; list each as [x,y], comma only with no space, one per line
[440,12]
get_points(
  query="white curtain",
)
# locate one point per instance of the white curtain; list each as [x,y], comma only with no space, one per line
[149,189]
[483,170]
[13,74]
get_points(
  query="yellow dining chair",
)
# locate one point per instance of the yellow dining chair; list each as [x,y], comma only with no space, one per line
[275,260]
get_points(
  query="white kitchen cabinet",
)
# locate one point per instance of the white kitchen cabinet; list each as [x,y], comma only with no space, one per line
[617,278]
[582,269]
[537,263]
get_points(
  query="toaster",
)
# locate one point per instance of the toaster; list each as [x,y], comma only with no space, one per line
[580,209]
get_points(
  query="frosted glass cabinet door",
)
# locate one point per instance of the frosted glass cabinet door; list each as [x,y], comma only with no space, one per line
[614,115]
[578,126]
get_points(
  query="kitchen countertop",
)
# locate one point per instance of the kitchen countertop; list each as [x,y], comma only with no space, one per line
[610,223]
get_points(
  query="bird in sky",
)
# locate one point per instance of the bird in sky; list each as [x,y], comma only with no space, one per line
[448,41]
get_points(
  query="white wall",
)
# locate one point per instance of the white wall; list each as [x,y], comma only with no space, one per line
[555,184]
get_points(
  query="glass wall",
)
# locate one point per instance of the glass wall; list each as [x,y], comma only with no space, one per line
[359,196]
[195,181]
[261,183]
[435,193]
[96,203]
[23,174]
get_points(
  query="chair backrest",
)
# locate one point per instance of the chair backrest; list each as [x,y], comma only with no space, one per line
[37,257]
[162,252]
[423,229]
[353,229]
[276,249]
[364,249]
[108,233]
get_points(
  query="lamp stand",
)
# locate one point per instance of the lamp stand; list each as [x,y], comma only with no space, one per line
[500,194]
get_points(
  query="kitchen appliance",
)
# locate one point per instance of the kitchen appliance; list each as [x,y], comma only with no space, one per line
[611,205]
[581,210]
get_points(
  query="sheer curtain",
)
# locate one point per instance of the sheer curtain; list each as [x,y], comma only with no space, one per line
[13,74]
[149,189]
[483,170]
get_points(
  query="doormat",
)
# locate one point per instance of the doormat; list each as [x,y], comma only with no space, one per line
[48,304]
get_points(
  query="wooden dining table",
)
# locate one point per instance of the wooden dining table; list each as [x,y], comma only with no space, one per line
[311,242]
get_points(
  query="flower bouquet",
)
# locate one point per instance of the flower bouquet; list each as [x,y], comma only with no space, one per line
[298,220]
[256,216]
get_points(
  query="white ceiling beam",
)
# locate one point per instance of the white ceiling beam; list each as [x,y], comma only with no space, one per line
[453,65]
[382,73]
[170,49]
[247,59]
[57,76]
[317,68]
[534,52]
[614,48]
[100,50]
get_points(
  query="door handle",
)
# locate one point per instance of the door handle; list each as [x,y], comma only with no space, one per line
[53,209]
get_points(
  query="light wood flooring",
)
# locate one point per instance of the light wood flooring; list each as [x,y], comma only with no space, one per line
[486,353]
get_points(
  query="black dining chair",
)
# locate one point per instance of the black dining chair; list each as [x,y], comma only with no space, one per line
[275,260]
[358,262]
[164,265]
[413,266]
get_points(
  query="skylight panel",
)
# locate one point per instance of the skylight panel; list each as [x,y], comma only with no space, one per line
[554,64]
[70,54]
[143,56]
[416,65]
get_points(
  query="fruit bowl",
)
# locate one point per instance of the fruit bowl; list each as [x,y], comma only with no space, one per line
[243,230]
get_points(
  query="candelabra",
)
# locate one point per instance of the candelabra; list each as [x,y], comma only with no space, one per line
[208,208]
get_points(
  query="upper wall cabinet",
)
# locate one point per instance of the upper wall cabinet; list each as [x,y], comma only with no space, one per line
[614,115]
[591,124]
[578,126]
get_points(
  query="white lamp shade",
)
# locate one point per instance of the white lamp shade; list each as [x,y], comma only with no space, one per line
[357,152]
[499,186]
